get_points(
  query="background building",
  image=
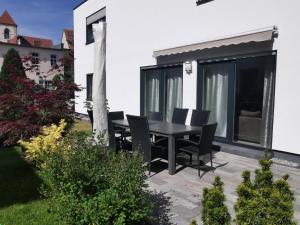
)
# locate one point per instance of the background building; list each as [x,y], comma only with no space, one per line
[41,51]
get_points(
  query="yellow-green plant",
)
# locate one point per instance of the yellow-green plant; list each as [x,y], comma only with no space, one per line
[41,146]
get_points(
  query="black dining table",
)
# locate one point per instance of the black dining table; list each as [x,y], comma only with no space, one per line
[169,130]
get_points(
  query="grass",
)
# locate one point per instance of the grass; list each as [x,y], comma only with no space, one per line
[20,201]
[82,125]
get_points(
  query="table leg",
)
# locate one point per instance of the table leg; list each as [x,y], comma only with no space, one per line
[171,155]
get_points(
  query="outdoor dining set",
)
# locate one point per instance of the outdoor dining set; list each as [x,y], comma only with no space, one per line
[156,138]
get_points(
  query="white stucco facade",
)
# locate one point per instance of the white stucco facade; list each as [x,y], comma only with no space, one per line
[45,71]
[138,27]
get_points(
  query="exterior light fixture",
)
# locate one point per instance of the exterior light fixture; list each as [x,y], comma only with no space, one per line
[188,67]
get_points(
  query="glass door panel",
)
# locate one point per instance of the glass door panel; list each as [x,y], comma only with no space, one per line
[174,88]
[161,90]
[215,94]
[254,100]
[152,98]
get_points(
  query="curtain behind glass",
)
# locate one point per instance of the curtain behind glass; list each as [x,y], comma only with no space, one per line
[268,104]
[174,90]
[152,91]
[215,96]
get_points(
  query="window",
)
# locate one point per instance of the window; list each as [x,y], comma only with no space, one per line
[6,33]
[161,90]
[53,60]
[35,58]
[45,83]
[93,19]
[89,87]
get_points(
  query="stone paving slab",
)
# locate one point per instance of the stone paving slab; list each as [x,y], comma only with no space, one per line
[185,187]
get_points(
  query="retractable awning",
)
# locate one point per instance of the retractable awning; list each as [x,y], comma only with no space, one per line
[265,34]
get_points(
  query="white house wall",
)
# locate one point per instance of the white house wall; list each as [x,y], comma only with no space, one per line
[83,54]
[138,27]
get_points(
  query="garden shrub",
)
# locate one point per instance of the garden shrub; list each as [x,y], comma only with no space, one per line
[263,201]
[41,147]
[93,185]
[214,211]
[193,222]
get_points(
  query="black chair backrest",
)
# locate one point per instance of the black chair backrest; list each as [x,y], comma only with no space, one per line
[111,135]
[207,137]
[140,135]
[90,113]
[179,115]
[155,116]
[117,115]
[199,117]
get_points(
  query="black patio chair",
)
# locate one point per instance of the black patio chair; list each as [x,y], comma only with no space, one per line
[90,114]
[202,147]
[141,141]
[155,116]
[179,115]
[119,115]
[199,118]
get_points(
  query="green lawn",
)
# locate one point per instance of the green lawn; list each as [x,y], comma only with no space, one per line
[20,201]
[82,125]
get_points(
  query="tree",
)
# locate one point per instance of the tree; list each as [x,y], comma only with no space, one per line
[264,201]
[26,107]
[12,64]
[214,211]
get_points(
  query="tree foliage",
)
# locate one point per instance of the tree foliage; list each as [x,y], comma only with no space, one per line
[214,211]
[12,64]
[26,107]
[264,201]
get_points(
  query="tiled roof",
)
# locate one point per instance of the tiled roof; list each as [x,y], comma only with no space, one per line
[32,41]
[70,37]
[7,19]
[38,42]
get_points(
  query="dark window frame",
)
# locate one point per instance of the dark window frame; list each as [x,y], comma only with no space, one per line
[53,60]
[35,58]
[89,27]
[162,86]
[89,87]
[6,34]
[231,92]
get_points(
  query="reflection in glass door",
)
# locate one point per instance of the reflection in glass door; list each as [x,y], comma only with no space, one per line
[215,94]
[254,100]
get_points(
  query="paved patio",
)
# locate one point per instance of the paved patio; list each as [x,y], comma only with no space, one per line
[184,189]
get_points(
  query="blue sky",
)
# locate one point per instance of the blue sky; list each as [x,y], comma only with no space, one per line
[41,18]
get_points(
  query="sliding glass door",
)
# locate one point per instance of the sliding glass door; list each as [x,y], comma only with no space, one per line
[161,90]
[254,100]
[213,92]
[240,96]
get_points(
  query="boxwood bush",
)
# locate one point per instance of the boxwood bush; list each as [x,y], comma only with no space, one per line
[264,201]
[93,185]
[214,211]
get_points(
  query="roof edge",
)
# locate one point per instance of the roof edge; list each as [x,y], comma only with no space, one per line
[77,6]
